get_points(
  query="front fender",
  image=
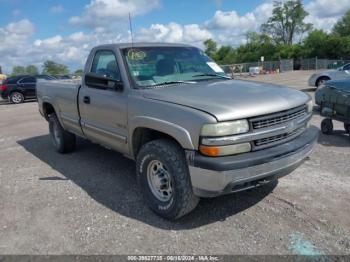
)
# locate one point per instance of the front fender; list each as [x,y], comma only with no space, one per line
[180,134]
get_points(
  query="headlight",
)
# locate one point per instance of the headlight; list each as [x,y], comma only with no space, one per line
[310,106]
[225,150]
[225,128]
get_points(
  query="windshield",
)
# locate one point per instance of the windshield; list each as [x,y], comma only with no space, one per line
[152,66]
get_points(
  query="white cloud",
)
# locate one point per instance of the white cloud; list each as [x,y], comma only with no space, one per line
[230,28]
[104,12]
[56,9]
[15,34]
[173,32]
[323,14]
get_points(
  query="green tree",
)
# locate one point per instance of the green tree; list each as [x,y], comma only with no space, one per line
[286,22]
[210,48]
[32,70]
[53,68]
[79,72]
[315,44]
[18,70]
[342,27]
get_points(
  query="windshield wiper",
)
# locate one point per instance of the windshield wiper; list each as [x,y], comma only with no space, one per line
[173,82]
[209,74]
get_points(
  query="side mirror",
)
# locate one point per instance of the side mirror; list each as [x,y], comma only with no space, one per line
[102,82]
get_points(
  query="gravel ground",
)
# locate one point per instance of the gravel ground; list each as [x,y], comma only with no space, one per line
[87,202]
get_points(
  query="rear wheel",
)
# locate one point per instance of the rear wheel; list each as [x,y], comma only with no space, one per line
[16,98]
[63,141]
[347,128]
[322,80]
[327,126]
[163,176]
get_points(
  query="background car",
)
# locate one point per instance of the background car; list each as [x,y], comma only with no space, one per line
[319,78]
[18,88]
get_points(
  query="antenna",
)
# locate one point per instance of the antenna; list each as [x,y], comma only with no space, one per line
[131,33]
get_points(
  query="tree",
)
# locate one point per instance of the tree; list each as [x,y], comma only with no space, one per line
[18,70]
[342,27]
[315,44]
[32,70]
[286,22]
[79,72]
[210,47]
[53,68]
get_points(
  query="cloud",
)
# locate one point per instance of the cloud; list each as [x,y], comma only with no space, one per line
[105,12]
[56,9]
[15,34]
[323,14]
[173,32]
[230,28]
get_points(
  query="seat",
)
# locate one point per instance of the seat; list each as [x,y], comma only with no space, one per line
[112,70]
[165,67]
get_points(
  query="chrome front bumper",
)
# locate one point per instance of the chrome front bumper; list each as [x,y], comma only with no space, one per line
[281,161]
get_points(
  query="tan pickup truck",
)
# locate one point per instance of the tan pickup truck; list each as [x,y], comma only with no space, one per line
[192,131]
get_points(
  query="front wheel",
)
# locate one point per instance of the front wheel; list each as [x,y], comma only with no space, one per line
[327,126]
[63,141]
[163,176]
[16,98]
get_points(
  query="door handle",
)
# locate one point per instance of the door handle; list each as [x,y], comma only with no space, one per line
[86,99]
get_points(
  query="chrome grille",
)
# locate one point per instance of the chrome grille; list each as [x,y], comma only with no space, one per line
[274,139]
[278,118]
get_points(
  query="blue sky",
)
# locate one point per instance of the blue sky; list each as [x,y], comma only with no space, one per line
[32,31]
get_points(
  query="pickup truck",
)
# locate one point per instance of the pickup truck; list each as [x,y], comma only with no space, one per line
[192,131]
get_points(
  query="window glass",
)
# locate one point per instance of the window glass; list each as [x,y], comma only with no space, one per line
[105,64]
[150,66]
[346,67]
[27,80]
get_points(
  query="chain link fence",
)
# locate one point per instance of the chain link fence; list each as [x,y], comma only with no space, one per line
[284,65]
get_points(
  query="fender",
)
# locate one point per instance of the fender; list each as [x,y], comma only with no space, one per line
[180,134]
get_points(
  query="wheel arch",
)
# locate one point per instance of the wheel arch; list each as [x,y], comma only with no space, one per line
[146,129]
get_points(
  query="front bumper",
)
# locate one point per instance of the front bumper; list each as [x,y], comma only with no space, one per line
[211,177]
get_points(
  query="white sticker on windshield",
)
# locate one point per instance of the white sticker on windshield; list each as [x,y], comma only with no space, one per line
[215,67]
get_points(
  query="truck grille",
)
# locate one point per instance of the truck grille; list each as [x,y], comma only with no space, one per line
[278,118]
[275,139]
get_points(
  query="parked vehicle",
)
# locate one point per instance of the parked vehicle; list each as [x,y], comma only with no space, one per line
[318,79]
[334,100]
[45,77]
[192,131]
[19,88]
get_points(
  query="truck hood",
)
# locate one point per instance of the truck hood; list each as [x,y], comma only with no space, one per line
[230,99]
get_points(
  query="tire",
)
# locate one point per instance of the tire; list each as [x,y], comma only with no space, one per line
[347,128]
[16,97]
[63,141]
[327,126]
[321,80]
[174,178]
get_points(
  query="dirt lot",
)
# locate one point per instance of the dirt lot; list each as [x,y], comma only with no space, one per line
[88,202]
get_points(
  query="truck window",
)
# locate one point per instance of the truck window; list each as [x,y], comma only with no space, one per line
[105,64]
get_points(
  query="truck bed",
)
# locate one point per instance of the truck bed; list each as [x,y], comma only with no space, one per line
[63,94]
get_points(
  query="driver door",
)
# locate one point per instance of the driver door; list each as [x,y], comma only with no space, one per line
[103,111]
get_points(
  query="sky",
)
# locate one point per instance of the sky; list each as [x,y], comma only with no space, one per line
[32,31]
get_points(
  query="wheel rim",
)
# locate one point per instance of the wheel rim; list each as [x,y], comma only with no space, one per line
[56,134]
[159,181]
[16,98]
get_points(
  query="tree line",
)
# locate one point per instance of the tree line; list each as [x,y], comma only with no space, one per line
[285,35]
[49,68]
